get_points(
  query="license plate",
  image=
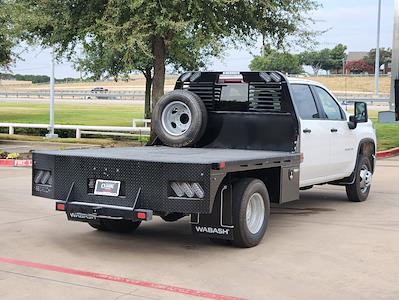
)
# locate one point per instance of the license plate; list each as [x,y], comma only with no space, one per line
[107,188]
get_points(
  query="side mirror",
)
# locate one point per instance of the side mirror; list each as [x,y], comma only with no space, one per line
[361,115]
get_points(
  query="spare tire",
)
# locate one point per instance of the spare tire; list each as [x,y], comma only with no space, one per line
[179,118]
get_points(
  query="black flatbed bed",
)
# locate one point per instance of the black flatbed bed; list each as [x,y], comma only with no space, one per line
[162,154]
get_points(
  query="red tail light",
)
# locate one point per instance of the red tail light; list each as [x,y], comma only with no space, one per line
[142,216]
[60,206]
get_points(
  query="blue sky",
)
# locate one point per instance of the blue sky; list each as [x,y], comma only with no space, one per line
[351,22]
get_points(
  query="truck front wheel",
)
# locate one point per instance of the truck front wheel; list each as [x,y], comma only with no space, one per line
[251,210]
[359,190]
[119,226]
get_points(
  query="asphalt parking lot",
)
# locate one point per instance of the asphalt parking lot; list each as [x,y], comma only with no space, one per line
[320,247]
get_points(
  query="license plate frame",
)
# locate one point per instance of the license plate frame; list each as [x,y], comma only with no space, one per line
[108,188]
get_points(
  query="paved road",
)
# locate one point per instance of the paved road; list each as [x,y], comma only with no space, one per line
[320,247]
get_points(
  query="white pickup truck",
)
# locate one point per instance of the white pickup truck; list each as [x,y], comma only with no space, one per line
[330,146]
[225,147]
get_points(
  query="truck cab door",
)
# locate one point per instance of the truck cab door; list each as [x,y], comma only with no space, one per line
[343,150]
[314,140]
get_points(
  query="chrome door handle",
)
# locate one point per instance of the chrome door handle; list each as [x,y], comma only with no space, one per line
[307,130]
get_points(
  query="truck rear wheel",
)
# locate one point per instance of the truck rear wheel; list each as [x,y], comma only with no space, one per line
[120,226]
[359,190]
[251,210]
[179,118]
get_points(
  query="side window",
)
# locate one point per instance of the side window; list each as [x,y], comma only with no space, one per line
[331,108]
[304,101]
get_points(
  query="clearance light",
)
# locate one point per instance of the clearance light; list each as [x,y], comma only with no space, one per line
[231,78]
[60,206]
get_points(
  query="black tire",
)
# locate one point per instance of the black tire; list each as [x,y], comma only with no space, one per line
[357,192]
[242,192]
[119,226]
[199,118]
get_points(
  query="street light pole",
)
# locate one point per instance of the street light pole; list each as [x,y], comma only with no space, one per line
[395,56]
[377,52]
[51,134]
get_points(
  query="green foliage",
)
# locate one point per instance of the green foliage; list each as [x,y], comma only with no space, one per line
[157,31]
[385,56]
[274,60]
[13,155]
[6,39]
[325,59]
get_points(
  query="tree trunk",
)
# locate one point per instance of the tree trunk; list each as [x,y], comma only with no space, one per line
[158,81]
[147,97]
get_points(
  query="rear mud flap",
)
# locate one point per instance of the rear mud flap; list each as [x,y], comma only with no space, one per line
[218,224]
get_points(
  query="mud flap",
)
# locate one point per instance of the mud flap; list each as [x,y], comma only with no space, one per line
[218,224]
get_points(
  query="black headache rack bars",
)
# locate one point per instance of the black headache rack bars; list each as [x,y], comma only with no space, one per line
[246,110]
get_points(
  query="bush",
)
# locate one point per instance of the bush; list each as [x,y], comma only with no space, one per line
[12,155]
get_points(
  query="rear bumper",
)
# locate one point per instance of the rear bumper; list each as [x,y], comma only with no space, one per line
[88,212]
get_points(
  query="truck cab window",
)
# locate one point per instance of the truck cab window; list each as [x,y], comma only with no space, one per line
[305,103]
[331,108]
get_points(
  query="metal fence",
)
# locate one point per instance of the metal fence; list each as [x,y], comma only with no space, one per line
[133,131]
[69,94]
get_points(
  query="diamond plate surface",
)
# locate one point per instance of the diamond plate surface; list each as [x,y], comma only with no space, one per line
[152,177]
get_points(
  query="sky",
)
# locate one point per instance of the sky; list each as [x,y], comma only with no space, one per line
[350,22]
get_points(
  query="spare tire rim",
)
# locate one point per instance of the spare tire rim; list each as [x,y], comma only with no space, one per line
[176,118]
[366,178]
[255,213]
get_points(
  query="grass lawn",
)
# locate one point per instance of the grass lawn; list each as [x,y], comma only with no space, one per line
[352,83]
[71,114]
[122,115]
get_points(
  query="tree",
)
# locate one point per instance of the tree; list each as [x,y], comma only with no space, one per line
[338,57]
[359,66]
[325,59]
[312,58]
[6,40]
[274,60]
[157,26]
[385,57]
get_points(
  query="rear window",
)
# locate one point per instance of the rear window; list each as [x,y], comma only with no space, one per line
[236,92]
[305,102]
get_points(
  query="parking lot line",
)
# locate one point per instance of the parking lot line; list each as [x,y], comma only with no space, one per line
[141,283]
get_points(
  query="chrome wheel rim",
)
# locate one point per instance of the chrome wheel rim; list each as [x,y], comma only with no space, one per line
[366,178]
[176,118]
[255,213]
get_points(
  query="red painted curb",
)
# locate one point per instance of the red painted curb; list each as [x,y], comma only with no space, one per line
[388,153]
[15,163]
[141,283]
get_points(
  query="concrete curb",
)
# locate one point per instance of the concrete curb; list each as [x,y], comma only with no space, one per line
[28,162]
[388,153]
[15,162]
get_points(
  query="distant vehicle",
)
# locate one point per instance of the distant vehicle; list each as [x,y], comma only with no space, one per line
[99,90]
[100,93]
